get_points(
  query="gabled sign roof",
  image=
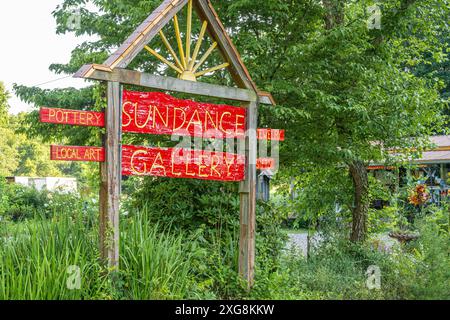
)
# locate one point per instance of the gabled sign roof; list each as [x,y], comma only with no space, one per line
[156,21]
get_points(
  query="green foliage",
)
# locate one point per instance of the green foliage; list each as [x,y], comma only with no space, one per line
[19,202]
[36,255]
[4,106]
[338,270]
[433,259]
[69,98]
[9,155]
[155,264]
[389,217]
[4,199]
[438,68]
[34,160]
[319,194]
[208,213]
[339,89]
[187,204]
[21,156]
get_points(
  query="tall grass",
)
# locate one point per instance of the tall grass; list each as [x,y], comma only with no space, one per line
[155,265]
[35,256]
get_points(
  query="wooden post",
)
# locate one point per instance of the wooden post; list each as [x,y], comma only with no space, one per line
[110,172]
[248,200]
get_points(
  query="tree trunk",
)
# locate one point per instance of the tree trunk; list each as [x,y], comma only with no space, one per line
[360,208]
[334,13]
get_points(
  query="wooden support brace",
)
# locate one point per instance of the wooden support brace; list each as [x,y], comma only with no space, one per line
[247,191]
[110,172]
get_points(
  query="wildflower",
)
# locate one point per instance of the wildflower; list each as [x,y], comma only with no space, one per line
[419,195]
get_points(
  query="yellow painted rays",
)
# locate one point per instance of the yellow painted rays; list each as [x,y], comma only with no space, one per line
[187,65]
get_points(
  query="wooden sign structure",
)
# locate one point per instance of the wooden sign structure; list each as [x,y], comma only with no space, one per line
[161,114]
[187,66]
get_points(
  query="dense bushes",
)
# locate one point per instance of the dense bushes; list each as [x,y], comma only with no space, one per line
[432,253]
[208,212]
[18,202]
[36,256]
[337,268]
[187,204]
[164,258]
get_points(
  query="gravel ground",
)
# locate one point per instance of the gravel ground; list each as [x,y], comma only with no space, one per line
[299,242]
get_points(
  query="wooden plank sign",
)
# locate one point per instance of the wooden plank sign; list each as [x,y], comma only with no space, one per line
[182,163]
[151,113]
[72,117]
[88,154]
[270,134]
[265,164]
[159,113]
[97,154]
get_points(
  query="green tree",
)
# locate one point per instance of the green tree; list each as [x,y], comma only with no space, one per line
[4,106]
[8,152]
[346,92]
[438,67]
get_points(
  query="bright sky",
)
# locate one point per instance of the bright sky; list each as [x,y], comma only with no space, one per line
[29,45]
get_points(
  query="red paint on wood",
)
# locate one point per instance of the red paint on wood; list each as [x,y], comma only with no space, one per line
[270,134]
[159,113]
[380,168]
[182,163]
[70,153]
[173,163]
[265,164]
[72,117]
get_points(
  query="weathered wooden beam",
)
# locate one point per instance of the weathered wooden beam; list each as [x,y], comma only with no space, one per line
[217,31]
[145,33]
[111,174]
[237,68]
[173,84]
[247,242]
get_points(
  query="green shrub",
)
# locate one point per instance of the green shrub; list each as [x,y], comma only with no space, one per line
[337,268]
[155,264]
[208,214]
[20,202]
[432,252]
[36,256]
[37,253]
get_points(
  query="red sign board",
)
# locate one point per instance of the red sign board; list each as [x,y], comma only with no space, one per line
[221,166]
[72,117]
[270,134]
[182,163]
[88,154]
[159,113]
[265,164]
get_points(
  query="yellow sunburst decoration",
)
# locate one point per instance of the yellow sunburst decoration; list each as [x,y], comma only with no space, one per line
[186,65]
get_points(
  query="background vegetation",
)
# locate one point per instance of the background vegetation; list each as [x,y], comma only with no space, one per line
[340,87]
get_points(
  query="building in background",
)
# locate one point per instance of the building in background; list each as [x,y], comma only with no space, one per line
[48,183]
[431,169]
